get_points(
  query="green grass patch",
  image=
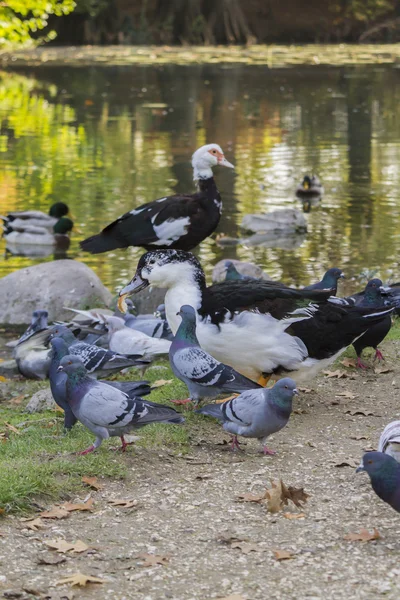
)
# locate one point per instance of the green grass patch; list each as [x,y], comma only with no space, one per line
[38,464]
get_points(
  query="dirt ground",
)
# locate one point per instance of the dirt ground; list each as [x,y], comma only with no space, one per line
[187,509]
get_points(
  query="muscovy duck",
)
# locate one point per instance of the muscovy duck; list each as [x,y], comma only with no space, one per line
[181,221]
[328,282]
[250,325]
[37,218]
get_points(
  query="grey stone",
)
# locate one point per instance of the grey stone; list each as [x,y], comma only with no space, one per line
[245,268]
[289,220]
[41,400]
[50,286]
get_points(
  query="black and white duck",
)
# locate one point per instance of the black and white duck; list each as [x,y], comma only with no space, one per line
[256,327]
[36,218]
[180,222]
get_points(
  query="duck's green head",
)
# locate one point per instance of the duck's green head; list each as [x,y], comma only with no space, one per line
[306,182]
[63,225]
[58,210]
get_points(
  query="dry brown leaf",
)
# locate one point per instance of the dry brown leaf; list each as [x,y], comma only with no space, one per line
[305,390]
[34,524]
[54,513]
[248,497]
[51,559]
[161,382]
[246,547]
[151,560]
[363,536]
[123,503]
[70,506]
[283,554]
[273,497]
[347,394]
[338,374]
[92,482]
[79,579]
[358,437]
[12,428]
[296,495]
[349,362]
[380,370]
[62,546]
[17,399]
[232,597]
[361,411]
[348,462]
[294,515]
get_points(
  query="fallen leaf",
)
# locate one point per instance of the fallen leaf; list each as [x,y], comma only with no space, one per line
[54,513]
[2,378]
[232,597]
[349,362]
[361,411]
[151,560]
[338,374]
[248,497]
[246,547]
[62,546]
[35,524]
[305,390]
[347,394]
[12,428]
[79,579]
[123,503]
[294,515]
[92,482]
[273,497]
[161,382]
[17,399]
[380,370]
[296,495]
[283,554]
[358,437]
[51,559]
[70,506]
[363,536]
[348,462]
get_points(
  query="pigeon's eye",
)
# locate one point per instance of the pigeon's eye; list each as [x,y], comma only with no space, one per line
[370,462]
[286,387]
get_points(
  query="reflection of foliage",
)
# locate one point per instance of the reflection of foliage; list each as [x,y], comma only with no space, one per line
[22,19]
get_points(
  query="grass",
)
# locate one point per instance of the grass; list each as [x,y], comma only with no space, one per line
[38,463]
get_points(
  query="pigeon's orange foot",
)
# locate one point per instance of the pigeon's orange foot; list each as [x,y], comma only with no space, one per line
[378,355]
[361,365]
[124,444]
[223,400]
[268,452]
[184,402]
[87,451]
[235,445]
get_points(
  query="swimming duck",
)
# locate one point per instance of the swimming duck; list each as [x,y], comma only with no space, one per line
[33,235]
[181,221]
[251,325]
[310,187]
[37,218]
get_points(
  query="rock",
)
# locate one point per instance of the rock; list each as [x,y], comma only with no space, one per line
[287,219]
[50,286]
[245,268]
[42,400]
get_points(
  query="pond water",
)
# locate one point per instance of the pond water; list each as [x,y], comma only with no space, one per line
[106,139]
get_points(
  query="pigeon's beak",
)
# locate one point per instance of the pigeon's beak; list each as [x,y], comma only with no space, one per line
[60,368]
[296,392]
[225,163]
[342,276]
[133,287]
[360,467]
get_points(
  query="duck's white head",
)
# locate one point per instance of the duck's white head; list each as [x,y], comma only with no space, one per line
[207,157]
[164,269]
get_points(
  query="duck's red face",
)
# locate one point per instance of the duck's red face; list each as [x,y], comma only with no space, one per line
[218,155]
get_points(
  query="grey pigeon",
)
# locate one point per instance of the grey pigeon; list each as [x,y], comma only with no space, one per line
[384,472]
[107,411]
[128,341]
[255,413]
[58,383]
[389,442]
[204,376]
[98,361]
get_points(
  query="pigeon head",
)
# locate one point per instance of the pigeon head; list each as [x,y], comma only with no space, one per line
[63,226]
[72,366]
[58,210]
[377,464]
[160,312]
[114,324]
[372,292]
[39,319]
[187,328]
[207,157]
[62,332]
[283,392]
[164,268]
[232,274]
[59,348]
[332,276]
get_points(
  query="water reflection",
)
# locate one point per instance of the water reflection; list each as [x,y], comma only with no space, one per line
[104,140]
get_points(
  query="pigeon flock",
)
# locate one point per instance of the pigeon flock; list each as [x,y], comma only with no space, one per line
[228,340]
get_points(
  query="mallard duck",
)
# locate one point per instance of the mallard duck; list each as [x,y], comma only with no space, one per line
[32,235]
[36,218]
[181,221]
[310,187]
[256,327]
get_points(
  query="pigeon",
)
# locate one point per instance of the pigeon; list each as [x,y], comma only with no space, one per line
[328,282]
[128,341]
[384,472]
[98,361]
[371,297]
[255,413]
[204,376]
[107,411]
[58,381]
[389,442]
[232,274]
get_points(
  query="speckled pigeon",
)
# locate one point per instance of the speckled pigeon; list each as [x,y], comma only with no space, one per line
[204,376]
[98,361]
[384,472]
[58,382]
[255,413]
[106,411]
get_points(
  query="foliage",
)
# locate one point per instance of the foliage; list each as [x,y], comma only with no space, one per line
[20,20]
